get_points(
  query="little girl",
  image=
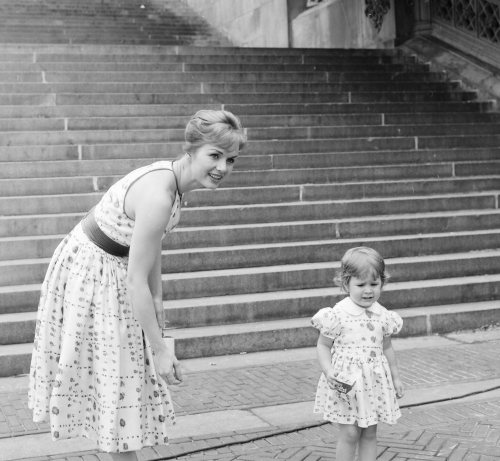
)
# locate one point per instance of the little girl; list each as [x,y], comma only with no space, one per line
[360,380]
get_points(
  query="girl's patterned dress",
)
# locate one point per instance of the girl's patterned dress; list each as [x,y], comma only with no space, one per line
[357,354]
[92,371]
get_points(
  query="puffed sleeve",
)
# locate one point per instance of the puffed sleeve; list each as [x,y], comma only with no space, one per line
[393,323]
[327,321]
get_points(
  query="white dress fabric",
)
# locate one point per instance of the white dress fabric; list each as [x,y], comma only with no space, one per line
[92,371]
[357,354]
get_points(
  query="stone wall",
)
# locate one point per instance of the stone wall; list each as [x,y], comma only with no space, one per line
[341,24]
[250,23]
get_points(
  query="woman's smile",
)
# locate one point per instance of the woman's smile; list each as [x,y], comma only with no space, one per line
[216,176]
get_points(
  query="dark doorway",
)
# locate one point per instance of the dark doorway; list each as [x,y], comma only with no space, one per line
[405,20]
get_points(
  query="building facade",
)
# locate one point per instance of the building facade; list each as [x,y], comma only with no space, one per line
[472,26]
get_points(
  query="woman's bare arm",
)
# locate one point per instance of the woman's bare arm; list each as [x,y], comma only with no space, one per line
[151,202]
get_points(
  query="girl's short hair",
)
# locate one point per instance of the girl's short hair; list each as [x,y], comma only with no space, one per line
[218,127]
[361,262]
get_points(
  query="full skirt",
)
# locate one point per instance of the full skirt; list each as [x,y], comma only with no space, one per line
[92,371]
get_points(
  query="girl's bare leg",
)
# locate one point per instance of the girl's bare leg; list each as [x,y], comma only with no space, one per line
[125,456]
[348,440]
[368,444]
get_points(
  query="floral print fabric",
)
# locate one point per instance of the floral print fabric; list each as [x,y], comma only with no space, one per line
[110,211]
[357,356]
[92,371]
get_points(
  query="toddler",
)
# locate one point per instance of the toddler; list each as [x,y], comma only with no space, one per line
[360,381]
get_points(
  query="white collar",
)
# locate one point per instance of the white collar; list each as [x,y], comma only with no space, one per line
[349,306]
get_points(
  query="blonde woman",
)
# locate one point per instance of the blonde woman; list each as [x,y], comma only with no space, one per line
[100,367]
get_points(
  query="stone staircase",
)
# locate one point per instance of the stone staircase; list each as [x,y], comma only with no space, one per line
[347,147]
[157,22]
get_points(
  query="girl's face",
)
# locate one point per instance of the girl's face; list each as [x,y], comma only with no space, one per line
[211,164]
[364,291]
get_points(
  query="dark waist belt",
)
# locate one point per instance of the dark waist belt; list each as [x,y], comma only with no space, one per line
[99,238]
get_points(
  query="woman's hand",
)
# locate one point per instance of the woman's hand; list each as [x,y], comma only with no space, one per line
[168,367]
[160,313]
[398,386]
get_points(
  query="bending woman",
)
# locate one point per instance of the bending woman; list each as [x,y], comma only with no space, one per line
[100,367]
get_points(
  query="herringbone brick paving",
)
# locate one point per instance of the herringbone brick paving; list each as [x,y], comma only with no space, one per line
[289,382]
[428,433]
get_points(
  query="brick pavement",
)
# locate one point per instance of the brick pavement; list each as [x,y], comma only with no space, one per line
[457,431]
[453,431]
[288,382]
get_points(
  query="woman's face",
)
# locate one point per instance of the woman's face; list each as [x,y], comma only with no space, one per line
[210,164]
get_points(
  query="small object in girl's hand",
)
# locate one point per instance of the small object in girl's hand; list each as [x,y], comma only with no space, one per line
[343,388]
[344,382]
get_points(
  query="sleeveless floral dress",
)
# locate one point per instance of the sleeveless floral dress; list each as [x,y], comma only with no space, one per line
[92,371]
[358,357]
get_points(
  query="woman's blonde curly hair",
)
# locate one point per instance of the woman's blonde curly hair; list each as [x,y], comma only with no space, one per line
[220,128]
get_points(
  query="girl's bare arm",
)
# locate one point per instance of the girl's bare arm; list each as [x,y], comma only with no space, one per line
[393,366]
[323,349]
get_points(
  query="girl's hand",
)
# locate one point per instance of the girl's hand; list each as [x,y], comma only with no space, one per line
[334,384]
[398,386]
[168,367]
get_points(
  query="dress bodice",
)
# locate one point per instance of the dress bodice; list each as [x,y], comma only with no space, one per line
[110,211]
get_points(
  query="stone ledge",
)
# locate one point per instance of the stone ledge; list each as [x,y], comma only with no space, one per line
[473,73]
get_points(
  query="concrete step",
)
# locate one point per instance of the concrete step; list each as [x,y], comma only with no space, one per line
[240,178]
[245,111]
[208,87]
[249,122]
[77,182]
[104,52]
[43,224]
[297,332]
[235,281]
[116,49]
[320,151]
[331,248]
[23,298]
[421,143]
[19,138]
[187,315]
[267,147]
[77,25]
[232,57]
[42,246]
[232,282]
[172,110]
[458,141]
[164,133]
[51,99]
[340,159]
[91,37]
[372,107]
[82,193]
[278,304]
[270,67]
[385,122]
[231,61]
[241,77]
[334,72]
[283,334]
